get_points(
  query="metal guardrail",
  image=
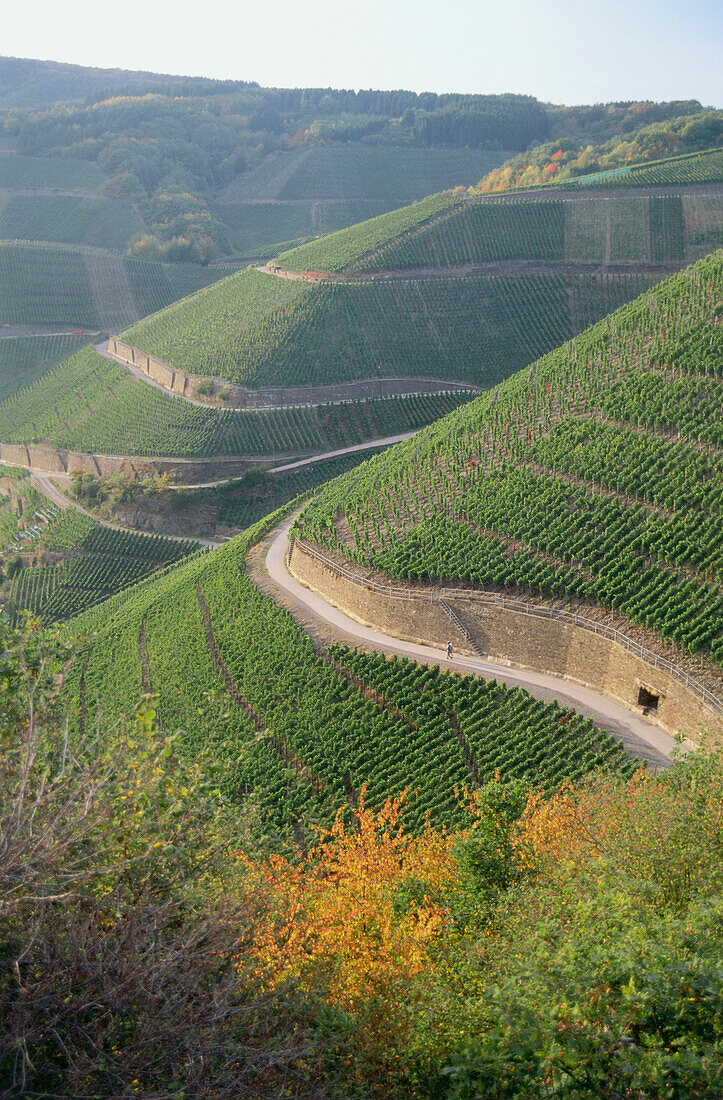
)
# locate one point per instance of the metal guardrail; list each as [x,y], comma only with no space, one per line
[508,603]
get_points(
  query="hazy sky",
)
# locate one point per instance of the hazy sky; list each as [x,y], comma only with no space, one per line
[564,51]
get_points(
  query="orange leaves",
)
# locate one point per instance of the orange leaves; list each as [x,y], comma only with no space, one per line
[337,925]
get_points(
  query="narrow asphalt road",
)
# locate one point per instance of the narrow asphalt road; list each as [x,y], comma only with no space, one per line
[639,736]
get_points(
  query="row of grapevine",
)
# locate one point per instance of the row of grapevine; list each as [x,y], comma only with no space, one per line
[90,403]
[594,476]
[25,358]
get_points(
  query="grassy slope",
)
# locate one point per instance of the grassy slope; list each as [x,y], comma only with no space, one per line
[593,476]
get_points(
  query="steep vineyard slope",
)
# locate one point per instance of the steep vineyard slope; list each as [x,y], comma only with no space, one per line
[55,284]
[90,404]
[591,480]
[652,213]
[259,330]
[89,563]
[298,733]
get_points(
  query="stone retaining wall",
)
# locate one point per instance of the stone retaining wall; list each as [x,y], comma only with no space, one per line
[519,640]
[186,385]
[47,460]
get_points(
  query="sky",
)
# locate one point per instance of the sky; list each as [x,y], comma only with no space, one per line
[562,51]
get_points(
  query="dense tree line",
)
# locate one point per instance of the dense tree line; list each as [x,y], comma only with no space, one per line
[169,145]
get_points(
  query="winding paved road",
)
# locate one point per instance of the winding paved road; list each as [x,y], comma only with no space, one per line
[639,736]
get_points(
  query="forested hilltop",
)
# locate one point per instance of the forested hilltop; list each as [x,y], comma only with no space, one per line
[190,154]
[568,158]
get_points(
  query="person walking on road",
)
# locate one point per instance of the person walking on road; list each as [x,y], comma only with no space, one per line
[449,651]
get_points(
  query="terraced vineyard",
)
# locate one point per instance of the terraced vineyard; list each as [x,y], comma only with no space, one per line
[259,330]
[60,284]
[91,404]
[594,477]
[629,228]
[299,734]
[258,230]
[98,562]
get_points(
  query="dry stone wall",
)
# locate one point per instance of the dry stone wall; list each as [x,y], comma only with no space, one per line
[46,460]
[186,385]
[519,640]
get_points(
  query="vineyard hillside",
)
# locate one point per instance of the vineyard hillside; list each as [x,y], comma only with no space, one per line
[631,217]
[293,733]
[292,197]
[259,330]
[58,562]
[91,404]
[590,481]
[45,284]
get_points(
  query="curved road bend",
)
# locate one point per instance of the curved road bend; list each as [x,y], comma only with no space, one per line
[639,736]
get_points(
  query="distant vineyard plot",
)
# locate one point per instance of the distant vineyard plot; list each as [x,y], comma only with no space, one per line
[18,172]
[629,227]
[297,196]
[107,223]
[389,175]
[96,563]
[45,283]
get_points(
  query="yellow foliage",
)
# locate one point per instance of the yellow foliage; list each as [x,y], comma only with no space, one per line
[332,923]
